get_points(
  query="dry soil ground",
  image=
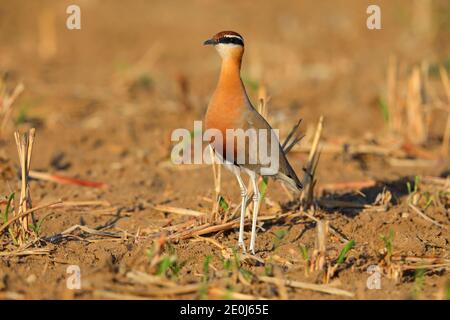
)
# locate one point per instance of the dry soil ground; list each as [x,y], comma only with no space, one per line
[105,99]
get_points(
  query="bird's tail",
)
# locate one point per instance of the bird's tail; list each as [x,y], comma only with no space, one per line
[289,178]
[287,175]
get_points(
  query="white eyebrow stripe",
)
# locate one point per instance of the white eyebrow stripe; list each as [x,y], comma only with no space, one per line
[232,36]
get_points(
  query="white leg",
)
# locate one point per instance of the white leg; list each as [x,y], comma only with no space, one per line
[243,207]
[256,198]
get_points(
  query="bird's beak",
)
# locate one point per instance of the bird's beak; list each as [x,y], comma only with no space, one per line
[209,42]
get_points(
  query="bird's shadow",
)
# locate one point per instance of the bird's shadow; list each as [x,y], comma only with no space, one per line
[365,196]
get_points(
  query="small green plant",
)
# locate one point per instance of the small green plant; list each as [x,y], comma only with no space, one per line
[168,265]
[227,265]
[22,116]
[389,243]
[203,291]
[223,204]
[250,83]
[434,67]
[384,109]
[263,189]
[419,278]
[349,245]
[206,267]
[5,216]
[248,275]
[304,252]
[145,81]
[430,200]
[279,236]
[268,268]
[164,265]
[122,66]
[235,265]
[412,190]
[37,226]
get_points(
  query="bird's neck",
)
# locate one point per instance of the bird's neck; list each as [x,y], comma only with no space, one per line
[230,73]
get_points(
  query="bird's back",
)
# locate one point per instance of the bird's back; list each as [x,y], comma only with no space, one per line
[285,173]
[240,116]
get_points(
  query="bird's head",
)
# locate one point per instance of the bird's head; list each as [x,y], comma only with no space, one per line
[229,44]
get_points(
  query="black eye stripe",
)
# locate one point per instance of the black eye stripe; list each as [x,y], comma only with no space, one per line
[232,40]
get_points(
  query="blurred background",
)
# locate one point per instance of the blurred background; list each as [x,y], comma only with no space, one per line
[314,58]
[105,99]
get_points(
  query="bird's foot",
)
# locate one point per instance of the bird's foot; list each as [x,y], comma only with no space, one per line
[241,245]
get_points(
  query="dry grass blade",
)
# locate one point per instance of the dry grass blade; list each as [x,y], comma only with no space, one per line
[24,144]
[417,130]
[65,180]
[313,160]
[331,228]
[395,120]
[219,293]
[225,252]
[207,228]
[180,211]
[410,102]
[6,106]
[93,203]
[153,292]
[413,163]
[23,214]
[217,182]
[204,229]
[319,254]
[147,279]
[106,294]
[427,266]
[90,231]
[11,295]
[444,182]
[307,286]
[423,215]
[190,288]
[27,252]
[419,259]
[446,137]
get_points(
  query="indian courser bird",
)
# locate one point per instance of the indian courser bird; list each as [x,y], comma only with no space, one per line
[230,109]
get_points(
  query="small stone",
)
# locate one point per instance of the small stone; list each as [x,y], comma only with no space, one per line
[31,279]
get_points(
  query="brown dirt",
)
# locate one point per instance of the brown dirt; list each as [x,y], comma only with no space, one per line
[110,97]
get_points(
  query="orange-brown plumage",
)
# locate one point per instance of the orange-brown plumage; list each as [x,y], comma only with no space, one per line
[228,104]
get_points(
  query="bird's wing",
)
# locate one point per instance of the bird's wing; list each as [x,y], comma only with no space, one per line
[252,119]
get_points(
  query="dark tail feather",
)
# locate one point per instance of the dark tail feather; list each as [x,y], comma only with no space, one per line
[288,176]
[292,140]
